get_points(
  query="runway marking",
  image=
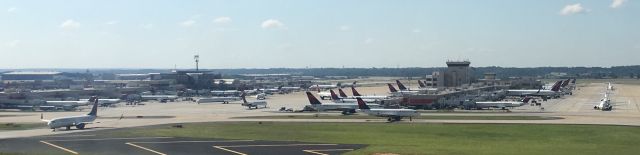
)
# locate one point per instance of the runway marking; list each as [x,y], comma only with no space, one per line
[228,150]
[67,140]
[60,147]
[192,141]
[328,150]
[144,148]
[278,145]
[240,153]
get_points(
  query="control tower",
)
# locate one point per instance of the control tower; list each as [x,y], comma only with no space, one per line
[457,74]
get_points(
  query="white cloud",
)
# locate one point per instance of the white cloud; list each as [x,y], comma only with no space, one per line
[12,9]
[222,20]
[147,26]
[70,24]
[188,23]
[344,28]
[416,30]
[617,3]
[271,24]
[13,43]
[368,40]
[113,22]
[572,9]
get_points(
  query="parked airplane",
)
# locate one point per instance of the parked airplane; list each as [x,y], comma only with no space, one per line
[253,104]
[159,97]
[336,99]
[346,108]
[396,92]
[224,100]
[609,86]
[357,94]
[605,103]
[391,114]
[554,92]
[78,121]
[105,102]
[331,86]
[226,93]
[65,105]
[502,104]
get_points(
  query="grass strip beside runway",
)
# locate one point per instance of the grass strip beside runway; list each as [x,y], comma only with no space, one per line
[422,138]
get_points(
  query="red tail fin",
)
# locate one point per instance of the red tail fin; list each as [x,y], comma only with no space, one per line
[391,88]
[312,99]
[355,92]
[362,104]
[400,85]
[556,86]
[333,95]
[342,94]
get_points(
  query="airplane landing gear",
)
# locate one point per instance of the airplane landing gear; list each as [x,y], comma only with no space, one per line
[80,126]
[68,127]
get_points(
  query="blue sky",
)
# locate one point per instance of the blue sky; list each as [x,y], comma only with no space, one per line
[327,33]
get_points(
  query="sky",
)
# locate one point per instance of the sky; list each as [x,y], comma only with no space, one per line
[317,33]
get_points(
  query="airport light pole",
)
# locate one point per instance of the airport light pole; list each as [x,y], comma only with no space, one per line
[197,58]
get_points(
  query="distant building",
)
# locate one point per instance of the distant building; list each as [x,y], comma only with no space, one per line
[33,76]
[458,73]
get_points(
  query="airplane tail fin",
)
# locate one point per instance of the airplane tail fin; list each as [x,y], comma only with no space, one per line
[333,95]
[94,109]
[565,83]
[312,99]
[556,86]
[526,99]
[355,92]
[400,85]
[391,88]
[244,97]
[342,94]
[421,84]
[362,104]
[573,81]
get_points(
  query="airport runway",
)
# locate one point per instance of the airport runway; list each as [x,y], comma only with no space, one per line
[93,143]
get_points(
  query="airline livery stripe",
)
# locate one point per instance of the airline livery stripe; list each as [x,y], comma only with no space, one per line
[144,148]
[228,150]
[60,147]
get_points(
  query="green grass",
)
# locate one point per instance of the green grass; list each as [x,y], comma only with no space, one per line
[325,116]
[408,138]
[21,126]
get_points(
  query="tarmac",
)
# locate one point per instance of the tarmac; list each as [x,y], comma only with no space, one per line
[574,109]
[93,143]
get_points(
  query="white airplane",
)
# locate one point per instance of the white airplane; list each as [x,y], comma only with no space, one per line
[396,92]
[605,103]
[78,121]
[502,104]
[336,99]
[66,105]
[224,100]
[105,102]
[159,97]
[346,108]
[356,94]
[391,114]
[253,104]
[554,92]
[226,93]
[331,86]
[609,86]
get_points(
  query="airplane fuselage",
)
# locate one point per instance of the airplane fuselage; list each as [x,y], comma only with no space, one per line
[70,121]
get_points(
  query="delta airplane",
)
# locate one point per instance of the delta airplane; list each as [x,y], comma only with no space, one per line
[346,108]
[391,114]
[357,94]
[395,92]
[331,86]
[253,104]
[502,104]
[78,121]
[554,92]
[336,99]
